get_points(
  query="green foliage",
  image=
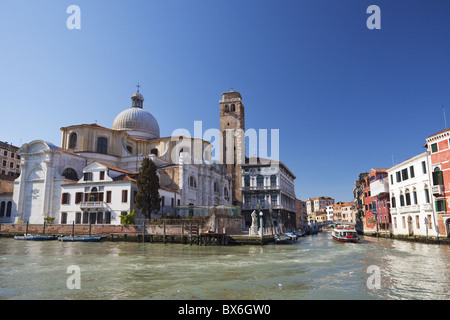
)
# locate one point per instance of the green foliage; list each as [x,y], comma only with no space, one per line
[147,197]
[49,220]
[128,219]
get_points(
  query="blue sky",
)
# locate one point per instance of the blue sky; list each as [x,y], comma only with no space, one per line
[345,98]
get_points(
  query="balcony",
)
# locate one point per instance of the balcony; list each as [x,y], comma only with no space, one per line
[260,188]
[437,190]
[379,187]
[92,205]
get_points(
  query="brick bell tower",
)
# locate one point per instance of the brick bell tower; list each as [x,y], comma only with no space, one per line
[232,129]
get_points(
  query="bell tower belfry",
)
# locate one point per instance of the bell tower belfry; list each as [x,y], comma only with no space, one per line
[232,129]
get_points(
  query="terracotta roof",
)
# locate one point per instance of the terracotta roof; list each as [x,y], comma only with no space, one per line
[124,177]
[116,168]
[434,134]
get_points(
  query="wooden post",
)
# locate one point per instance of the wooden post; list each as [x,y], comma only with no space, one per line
[143,233]
[164,227]
[26,229]
[90,226]
[190,234]
[73,228]
[43,229]
[182,231]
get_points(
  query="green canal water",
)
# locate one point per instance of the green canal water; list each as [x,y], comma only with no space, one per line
[313,268]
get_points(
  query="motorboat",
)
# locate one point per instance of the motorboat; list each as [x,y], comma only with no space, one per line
[345,233]
[86,238]
[32,237]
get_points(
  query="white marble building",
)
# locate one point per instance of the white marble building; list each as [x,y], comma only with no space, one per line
[184,166]
[411,199]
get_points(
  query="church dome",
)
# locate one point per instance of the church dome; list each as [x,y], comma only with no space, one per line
[138,122]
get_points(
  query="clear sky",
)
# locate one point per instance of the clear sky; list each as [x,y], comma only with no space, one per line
[345,98]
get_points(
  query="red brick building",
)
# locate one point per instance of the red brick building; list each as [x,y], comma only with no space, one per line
[376,200]
[439,151]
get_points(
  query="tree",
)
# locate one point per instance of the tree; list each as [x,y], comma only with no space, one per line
[147,197]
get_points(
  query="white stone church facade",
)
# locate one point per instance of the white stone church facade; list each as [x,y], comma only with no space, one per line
[91,177]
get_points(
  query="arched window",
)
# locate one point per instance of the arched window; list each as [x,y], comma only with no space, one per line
[408,197]
[216,187]
[2,209]
[393,204]
[102,145]
[273,180]
[73,140]
[427,195]
[260,180]
[438,179]
[247,181]
[402,200]
[227,108]
[154,152]
[8,209]
[94,194]
[414,196]
[233,108]
[70,174]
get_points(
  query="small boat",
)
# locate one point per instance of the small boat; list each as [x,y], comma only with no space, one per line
[294,235]
[284,239]
[345,233]
[32,237]
[81,238]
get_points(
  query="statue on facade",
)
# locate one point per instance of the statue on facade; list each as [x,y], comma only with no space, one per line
[254,227]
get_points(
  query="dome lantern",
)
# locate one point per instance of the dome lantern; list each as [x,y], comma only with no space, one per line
[136,121]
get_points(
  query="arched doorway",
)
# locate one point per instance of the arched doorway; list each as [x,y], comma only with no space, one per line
[410,226]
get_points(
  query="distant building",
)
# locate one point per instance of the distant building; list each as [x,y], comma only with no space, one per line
[268,186]
[358,195]
[9,166]
[301,215]
[318,204]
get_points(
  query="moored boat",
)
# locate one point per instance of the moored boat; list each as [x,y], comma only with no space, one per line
[345,233]
[32,237]
[81,238]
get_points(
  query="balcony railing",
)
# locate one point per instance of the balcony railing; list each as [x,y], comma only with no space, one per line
[257,188]
[92,205]
[437,190]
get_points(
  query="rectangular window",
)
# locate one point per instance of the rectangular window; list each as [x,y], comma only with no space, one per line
[398,176]
[102,175]
[87,176]
[124,196]
[404,174]
[415,197]
[434,148]
[102,145]
[4,163]
[63,217]
[440,205]
[427,196]
[392,179]
[65,198]
[411,171]
[274,200]
[108,196]
[85,217]
[78,197]
[78,218]
[99,217]
[424,167]
[107,217]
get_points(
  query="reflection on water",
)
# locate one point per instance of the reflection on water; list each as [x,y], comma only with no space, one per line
[314,268]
